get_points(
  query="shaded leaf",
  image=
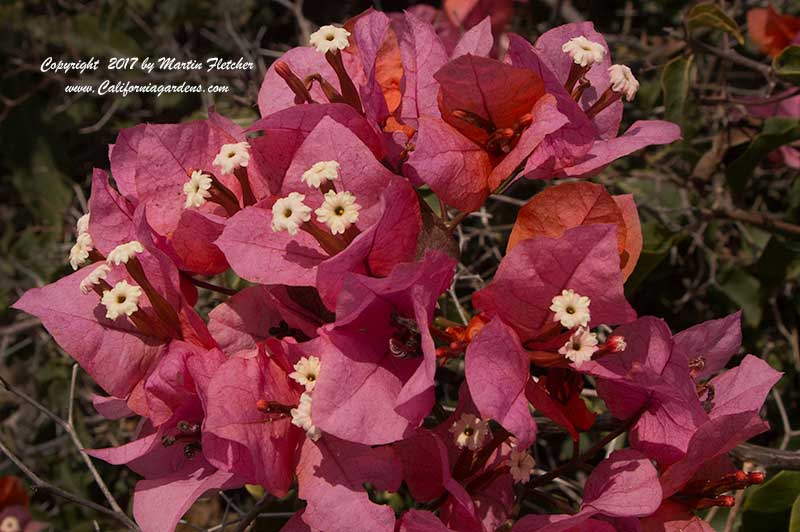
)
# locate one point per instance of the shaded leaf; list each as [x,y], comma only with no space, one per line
[710,15]
[745,291]
[777,132]
[676,79]
[787,64]
[771,506]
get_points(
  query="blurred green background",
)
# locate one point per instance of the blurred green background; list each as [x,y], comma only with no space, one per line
[696,265]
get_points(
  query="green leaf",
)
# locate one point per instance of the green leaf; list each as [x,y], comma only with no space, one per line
[710,15]
[676,79]
[794,518]
[773,505]
[773,265]
[787,64]
[745,291]
[42,186]
[656,243]
[777,132]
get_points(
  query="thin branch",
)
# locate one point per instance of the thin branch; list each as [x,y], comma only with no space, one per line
[582,458]
[766,457]
[210,286]
[735,57]
[761,220]
[252,515]
[69,429]
[42,485]
[71,399]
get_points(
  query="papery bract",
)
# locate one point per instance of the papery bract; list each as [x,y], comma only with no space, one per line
[117,354]
[364,384]
[586,144]
[260,254]
[463,160]
[583,259]
[568,205]
[233,396]
[331,475]
[623,485]
[475,496]
[173,473]
[259,312]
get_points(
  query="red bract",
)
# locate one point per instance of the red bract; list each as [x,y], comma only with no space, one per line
[152,163]
[481,139]
[331,475]
[235,396]
[583,259]
[259,312]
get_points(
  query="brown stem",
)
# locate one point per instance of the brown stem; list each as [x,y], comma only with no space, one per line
[252,515]
[327,241]
[247,193]
[456,220]
[301,94]
[210,286]
[160,305]
[115,511]
[575,462]
[349,91]
[735,57]
[756,218]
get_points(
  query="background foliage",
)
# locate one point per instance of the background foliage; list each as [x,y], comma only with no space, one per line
[705,254]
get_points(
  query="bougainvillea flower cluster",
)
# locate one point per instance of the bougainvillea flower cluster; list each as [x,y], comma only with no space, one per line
[321,377]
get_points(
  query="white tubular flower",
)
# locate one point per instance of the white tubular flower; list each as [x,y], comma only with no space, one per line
[123,299]
[623,81]
[470,432]
[580,347]
[584,52]
[521,463]
[571,309]
[123,253]
[82,226]
[232,156]
[289,213]
[329,39]
[197,189]
[320,173]
[339,211]
[94,278]
[80,251]
[306,372]
[10,524]
[301,417]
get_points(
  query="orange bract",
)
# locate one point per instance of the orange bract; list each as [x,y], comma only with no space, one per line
[770,30]
[562,207]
